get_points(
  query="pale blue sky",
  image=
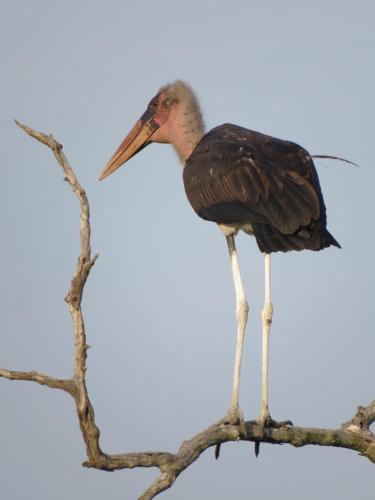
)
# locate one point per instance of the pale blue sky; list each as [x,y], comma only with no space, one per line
[159,304]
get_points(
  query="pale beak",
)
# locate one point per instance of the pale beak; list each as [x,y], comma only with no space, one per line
[136,140]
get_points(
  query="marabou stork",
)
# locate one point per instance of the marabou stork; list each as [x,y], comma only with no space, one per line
[242,180]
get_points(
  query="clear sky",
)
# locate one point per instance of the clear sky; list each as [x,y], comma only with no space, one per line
[159,304]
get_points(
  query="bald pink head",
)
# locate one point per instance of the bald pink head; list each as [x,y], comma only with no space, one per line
[183,127]
[173,116]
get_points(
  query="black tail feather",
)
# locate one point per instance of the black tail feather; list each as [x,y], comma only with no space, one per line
[311,237]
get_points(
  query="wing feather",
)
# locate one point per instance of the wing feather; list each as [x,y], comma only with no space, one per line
[269,179]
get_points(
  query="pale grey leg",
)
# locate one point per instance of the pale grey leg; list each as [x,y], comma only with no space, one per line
[266,323]
[242,309]
[265,419]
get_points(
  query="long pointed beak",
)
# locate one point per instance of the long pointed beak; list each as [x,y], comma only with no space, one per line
[136,140]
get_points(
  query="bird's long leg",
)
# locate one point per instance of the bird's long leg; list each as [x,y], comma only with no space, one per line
[266,320]
[265,419]
[242,310]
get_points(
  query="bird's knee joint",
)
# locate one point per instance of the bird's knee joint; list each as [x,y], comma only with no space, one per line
[242,310]
[267,313]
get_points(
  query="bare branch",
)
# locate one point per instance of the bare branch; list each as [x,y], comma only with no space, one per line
[163,482]
[354,434]
[362,420]
[85,411]
[52,382]
[172,465]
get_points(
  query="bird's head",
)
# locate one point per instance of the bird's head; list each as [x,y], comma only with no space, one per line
[172,116]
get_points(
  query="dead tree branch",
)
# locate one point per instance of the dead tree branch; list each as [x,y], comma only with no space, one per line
[354,434]
[40,378]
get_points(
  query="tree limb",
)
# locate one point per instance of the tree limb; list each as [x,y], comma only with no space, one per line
[354,434]
[52,382]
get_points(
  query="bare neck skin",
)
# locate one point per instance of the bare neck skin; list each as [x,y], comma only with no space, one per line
[188,131]
[183,129]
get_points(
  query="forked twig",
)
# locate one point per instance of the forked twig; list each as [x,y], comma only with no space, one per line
[354,434]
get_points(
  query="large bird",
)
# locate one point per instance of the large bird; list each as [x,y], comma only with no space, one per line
[242,180]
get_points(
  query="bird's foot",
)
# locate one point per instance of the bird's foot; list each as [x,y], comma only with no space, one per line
[235,416]
[266,421]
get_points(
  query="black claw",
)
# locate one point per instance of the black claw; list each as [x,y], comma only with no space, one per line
[268,423]
[256,448]
[217,451]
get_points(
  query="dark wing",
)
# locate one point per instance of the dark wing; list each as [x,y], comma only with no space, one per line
[238,176]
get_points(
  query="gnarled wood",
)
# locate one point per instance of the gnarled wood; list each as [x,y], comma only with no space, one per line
[355,434]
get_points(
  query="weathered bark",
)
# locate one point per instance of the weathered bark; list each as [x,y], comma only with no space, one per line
[354,434]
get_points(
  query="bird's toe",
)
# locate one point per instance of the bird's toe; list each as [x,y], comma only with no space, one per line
[235,416]
[268,422]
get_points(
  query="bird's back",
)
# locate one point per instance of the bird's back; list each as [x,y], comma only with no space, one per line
[242,177]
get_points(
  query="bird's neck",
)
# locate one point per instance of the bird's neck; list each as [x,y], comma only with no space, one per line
[187,131]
